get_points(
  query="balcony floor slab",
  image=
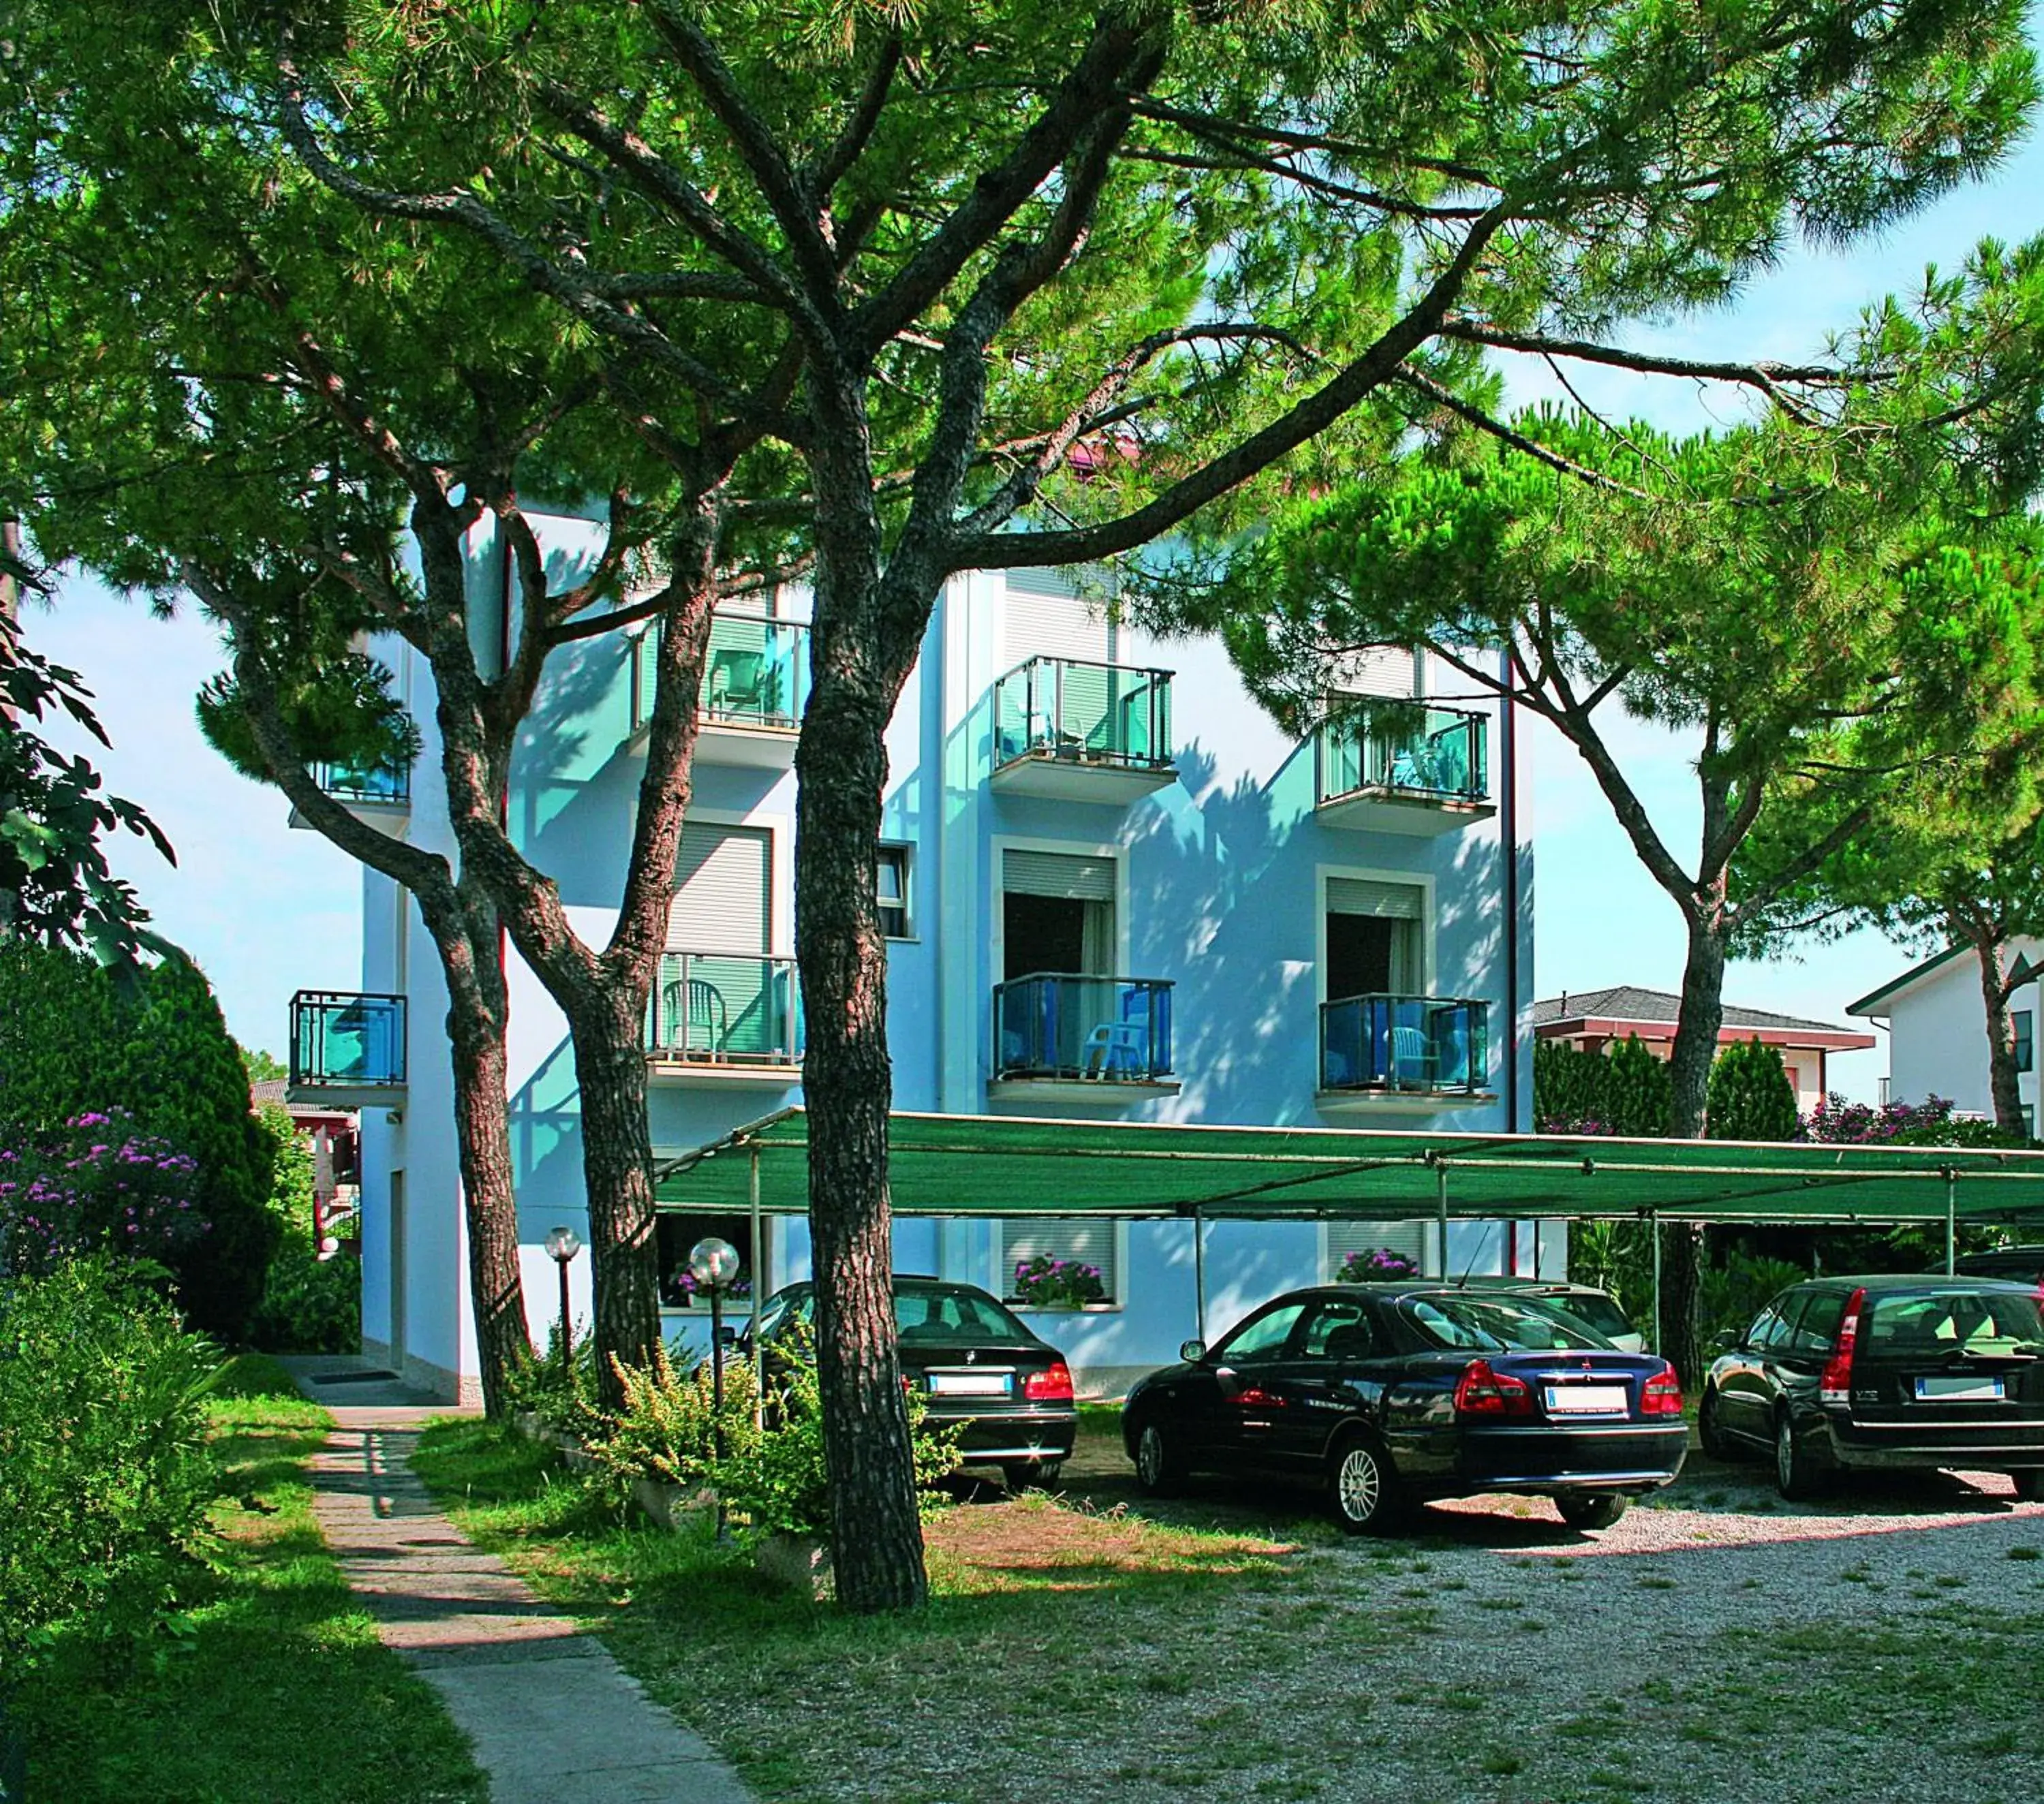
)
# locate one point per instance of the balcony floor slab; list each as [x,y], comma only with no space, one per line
[1087,1092]
[1081,780]
[1392,810]
[719,1074]
[1398,1102]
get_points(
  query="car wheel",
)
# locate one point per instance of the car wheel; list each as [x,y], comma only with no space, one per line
[2029,1484]
[1363,1488]
[1795,1475]
[1590,1509]
[1709,1432]
[1160,1468]
[1033,1475]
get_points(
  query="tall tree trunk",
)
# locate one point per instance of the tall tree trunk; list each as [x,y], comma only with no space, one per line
[1697,1021]
[476,1022]
[2004,1084]
[608,1031]
[847,1085]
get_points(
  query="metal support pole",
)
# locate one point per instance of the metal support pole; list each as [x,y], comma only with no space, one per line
[1200,1273]
[1951,1221]
[717,1387]
[1441,1213]
[567,1324]
[759,1297]
[1655,1223]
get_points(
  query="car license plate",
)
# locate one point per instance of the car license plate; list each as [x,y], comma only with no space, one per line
[1586,1399]
[1959,1391]
[968,1383]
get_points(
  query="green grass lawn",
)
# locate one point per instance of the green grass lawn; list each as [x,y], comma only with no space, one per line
[271,1687]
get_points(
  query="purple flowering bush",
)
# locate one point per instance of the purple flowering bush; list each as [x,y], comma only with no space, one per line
[1375,1262]
[1835,1122]
[97,1184]
[1045,1282]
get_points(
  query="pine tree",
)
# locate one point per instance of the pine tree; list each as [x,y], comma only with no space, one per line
[1750,1096]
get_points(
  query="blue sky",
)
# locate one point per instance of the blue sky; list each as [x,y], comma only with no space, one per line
[267,911]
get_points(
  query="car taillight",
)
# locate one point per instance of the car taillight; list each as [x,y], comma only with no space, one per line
[1482,1391]
[1053,1385]
[1662,1395]
[1835,1386]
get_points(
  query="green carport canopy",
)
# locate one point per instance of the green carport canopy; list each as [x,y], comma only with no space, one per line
[995,1165]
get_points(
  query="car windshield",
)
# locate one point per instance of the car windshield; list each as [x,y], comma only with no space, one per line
[953,1316]
[1486,1324]
[1943,1322]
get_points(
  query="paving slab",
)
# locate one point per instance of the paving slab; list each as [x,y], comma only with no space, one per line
[552,1717]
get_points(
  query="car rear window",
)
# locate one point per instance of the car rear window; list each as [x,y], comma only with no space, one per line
[1494,1325]
[953,1316]
[1954,1321]
[1598,1310]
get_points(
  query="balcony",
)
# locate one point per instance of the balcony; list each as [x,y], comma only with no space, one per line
[1100,1041]
[1411,770]
[379,794]
[725,1020]
[1082,732]
[347,1050]
[1393,1054]
[755,685]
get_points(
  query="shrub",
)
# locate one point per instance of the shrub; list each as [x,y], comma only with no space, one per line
[310,1304]
[1639,1093]
[1624,1089]
[1376,1262]
[104,1473]
[561,1392]
[1750,1097]
[1837,1121]
[1732,1294]
[667,1427]
[97,1185]
[1044,1282]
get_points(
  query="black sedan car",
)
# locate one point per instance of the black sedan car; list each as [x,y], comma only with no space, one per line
[1840,1375]
[1388,1394]
[976,1365]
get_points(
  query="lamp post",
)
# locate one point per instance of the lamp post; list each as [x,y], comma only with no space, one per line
[713,1263]
[563,1245]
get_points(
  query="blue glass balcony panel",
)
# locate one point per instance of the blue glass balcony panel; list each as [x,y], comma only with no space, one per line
[1439,1045]
[1099,1029]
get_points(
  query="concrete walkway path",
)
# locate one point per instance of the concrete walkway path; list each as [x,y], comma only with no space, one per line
[554,1719]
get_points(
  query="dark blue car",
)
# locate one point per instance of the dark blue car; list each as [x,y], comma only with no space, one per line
[1385,1395]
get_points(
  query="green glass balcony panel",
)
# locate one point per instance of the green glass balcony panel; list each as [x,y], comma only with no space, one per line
[1067,707]
[1439,756]
[720,1007]
[755,673]
[347,1041]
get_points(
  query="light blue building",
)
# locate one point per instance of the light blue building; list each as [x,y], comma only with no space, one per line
[1113,889]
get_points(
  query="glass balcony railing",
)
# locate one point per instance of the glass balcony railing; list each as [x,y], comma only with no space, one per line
[724,1008]
[347,1042]
[1065,707]
[756,673]
[1424,753]
[1103,1030]
[1419,1043]
[383,785]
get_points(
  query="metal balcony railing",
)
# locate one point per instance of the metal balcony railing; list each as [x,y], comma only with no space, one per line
[1089,713]
[386,785]
[347,1041]
[1417,1043]
[1439,756]
[1102,1029]
[724,1008]
[755,673]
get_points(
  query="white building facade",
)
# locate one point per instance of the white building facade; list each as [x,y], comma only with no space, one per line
[1113,890]
[1936,1019]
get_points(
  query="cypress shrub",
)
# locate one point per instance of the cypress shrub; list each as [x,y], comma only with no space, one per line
[1639,1095]
[1568,1089]
[1750,1097]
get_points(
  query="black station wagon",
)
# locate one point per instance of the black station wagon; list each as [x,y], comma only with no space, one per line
[1388,1394]
[1841,1375]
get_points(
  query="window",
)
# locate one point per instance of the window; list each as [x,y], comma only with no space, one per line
[2028,1123]
[1262,1339]
[1771,1325]
[2024,1023]
[1376,938]
[1057,914]
[1092,1243]
[891,889]
[1818,1327]
[674,1236]
[1340,1330]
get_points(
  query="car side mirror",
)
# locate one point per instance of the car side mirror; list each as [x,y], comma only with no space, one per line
[1725,1339]
[727,1334]
[1192,1351]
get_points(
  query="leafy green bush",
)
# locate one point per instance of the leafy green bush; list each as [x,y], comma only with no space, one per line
[561,1392]
[104,1473]
[1640,1094]
[1733,1293]
[1624,1089]
[310,1304]
[782,1486]
[668,1428]
[1750,1097]
[94,1184]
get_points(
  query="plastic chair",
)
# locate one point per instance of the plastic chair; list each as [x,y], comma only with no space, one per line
[700,1008]
[1114,1046]
[738,682]
[1410,1058]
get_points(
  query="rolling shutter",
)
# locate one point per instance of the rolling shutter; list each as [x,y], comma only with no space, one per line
[1378,670]
[1044,616]
[1089,1242]
[722,901]
[1407,1239]
[1058,873]
[1356,896]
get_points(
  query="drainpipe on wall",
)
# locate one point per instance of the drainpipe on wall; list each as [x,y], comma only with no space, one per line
[1508,839]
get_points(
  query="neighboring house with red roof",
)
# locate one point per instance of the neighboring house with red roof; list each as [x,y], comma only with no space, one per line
[335,1136]
[1591,1020]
